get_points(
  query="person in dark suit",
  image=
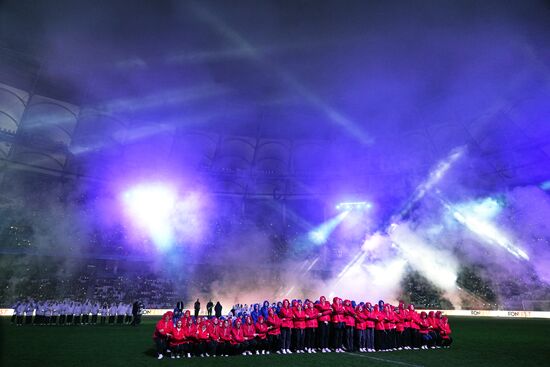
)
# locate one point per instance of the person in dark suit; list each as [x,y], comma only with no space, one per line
[197,308]
[209,307]
[218,309]
[136,313]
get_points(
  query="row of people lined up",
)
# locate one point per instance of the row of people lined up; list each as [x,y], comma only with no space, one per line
[304,327]
[68,312]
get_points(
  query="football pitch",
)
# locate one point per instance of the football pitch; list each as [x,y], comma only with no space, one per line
[477,342]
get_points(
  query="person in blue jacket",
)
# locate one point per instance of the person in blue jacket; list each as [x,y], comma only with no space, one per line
[255,312]
[265,309]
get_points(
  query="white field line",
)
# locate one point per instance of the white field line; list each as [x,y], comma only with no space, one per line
[385,360]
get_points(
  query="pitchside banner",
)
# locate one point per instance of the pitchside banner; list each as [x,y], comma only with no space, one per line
[470,313]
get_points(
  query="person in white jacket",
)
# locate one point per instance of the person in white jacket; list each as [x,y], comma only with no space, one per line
[112,313]
[95,311]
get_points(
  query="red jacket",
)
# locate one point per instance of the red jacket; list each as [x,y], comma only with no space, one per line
[249,330]
[225,334]
[163,328]
[337,311]
[444,328]
[191,332]
[178,336]
[286,314]
[311,320]
[390,320]
[360,319]
[273,324]
[349,314]
[214,330]
[371,317]
[380,317]
[324,309]
[399,323]
[414,318]
[299,319]
[203,334]
[434,323]
[423,323]
[261,328]
[237,335]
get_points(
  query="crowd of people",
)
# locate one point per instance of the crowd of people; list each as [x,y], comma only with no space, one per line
[69,312]
[301,327]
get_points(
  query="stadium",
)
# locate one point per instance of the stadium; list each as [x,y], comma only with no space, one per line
[305,182]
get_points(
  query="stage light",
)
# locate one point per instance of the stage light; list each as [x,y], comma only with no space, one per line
[320,234]
[545,185]
[358,205]
[475,217]
[150,207]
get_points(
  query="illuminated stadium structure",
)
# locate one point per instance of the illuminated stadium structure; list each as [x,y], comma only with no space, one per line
[108,164]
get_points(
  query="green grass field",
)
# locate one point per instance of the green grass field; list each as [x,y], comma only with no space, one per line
[478,342]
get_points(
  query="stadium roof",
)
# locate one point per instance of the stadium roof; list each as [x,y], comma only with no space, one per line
[281,91]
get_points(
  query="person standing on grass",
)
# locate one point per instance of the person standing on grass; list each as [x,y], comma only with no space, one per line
[177,340]
[371,318]
[238,343]
[261,336]
[128,318]
[14,314]
[434,327]
[191,333]
[55,313]
[104,311]
[311,326]
[29,310]
[224,345]
[209,307]
[338,324]
[324,312]
[197,308]
[218,309]
[136,313]
[286,316]
[445,333]
[95,312]
[78,313]
[20,313]
[112,313]
[360,328]
[249,333]
[399,329]
[86,309]
[274,331]
[214,330]
[299,323]
[390,327]
[424,330]
[163,331]
[414,318]
[121,312]
[69,312]
[379,329]
[349,316]
[204,344]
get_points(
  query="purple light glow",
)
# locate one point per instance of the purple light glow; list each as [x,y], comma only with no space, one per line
[151,208]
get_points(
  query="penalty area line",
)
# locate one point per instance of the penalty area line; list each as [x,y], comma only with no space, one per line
[385,360]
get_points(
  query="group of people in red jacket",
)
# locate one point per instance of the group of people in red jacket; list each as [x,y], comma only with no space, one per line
[303,327]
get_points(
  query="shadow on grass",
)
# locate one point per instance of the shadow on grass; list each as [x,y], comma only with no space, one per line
[151,352]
